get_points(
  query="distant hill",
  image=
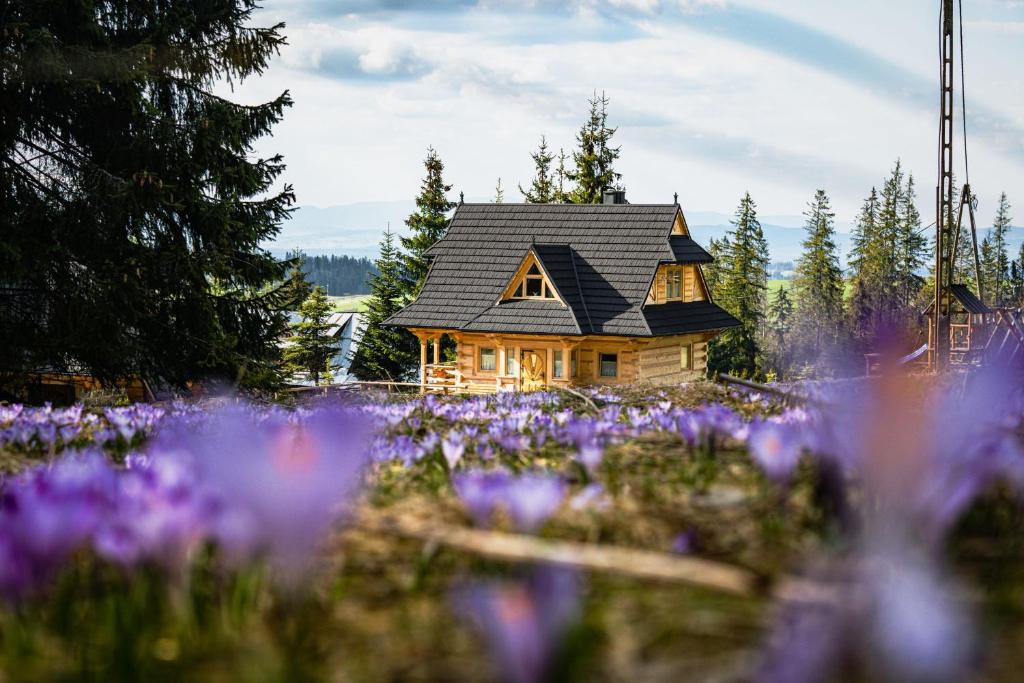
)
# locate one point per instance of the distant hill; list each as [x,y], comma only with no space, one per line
[356,229]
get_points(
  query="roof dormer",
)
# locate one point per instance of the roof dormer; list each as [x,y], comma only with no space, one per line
[531,281]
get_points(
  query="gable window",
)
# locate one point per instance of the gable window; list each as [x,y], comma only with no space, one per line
[674,284]
[533,285]
[609,365]
[488,359]
[686,357]
[559,366]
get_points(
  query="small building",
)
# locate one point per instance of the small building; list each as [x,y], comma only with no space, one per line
[345,327]
[538,295]
[978,334]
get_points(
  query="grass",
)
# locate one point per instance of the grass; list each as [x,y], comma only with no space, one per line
[383,609]
[355,303]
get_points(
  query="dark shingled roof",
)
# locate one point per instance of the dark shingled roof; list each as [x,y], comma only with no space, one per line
[683,317]
[966,297]
[686,250]
[971,303]
[601,258]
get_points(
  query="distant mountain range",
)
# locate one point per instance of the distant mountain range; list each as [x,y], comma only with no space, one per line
[356,230]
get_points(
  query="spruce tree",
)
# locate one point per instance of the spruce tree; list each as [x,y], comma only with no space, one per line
[864,233]
[297,286]
[818,285]
[311,347]
[912,253]
[543,189]
[562,193]
[743,288]
[988,269]
[718,250]
[132,205]
[594,157]
[1017,299]
[780,320]
[384,353]
[427,225]
[1000,274]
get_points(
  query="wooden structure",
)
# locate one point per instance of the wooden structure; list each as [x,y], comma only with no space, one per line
[552,295]
[978,335]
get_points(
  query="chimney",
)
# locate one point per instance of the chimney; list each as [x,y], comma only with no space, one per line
[613,197]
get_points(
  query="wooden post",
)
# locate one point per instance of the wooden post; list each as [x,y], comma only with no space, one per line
[423,364]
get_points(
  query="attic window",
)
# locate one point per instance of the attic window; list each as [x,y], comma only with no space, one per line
[533,285]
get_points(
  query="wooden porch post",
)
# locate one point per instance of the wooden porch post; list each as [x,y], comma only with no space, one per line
[437,349]
[423,364]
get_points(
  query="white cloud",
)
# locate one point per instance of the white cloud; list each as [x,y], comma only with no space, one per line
[701,112]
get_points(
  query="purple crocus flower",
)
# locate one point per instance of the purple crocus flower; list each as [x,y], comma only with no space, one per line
[283,485]
[532,498]
[452,447]
[481,492]
[523,622]
[776,449]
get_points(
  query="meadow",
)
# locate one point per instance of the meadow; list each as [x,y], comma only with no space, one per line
[862,531]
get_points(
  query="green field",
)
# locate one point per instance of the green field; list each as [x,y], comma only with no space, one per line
[349,304]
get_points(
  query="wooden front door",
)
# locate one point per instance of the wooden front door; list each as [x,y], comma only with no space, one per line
[532,373]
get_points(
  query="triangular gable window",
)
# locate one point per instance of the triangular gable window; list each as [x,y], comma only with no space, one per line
[530,282]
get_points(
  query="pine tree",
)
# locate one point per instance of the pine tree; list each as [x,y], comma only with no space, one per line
[594,157]
[780,318]
[818,285]
[888,251]
[912,248]
[864,233]
[310,348]
[988,269]
[718,250]
[1018,280]
[384,353]
[297,286]
[542,189]
[743,288]
[1000,274]
[427,225]
[562,194]
[499,193]
[132,205]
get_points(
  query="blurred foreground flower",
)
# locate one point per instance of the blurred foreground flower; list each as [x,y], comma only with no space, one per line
[257,488]
[523,622]
[917,463]
[529,499]
[278,486]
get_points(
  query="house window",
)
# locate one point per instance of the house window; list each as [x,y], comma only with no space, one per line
[510,361]
[574,360]
[558,365]
[533,286]
[674,284]
[686,357]
[609,365]
[488,360]
[534,283]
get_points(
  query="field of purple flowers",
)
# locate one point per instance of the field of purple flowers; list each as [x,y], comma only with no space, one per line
[870,532]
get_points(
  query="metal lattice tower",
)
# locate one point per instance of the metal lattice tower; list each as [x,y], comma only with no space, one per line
[944,222]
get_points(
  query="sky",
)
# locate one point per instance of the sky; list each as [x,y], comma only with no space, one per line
[712,98]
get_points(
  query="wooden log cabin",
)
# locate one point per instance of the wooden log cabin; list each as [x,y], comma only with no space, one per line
[561,294]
